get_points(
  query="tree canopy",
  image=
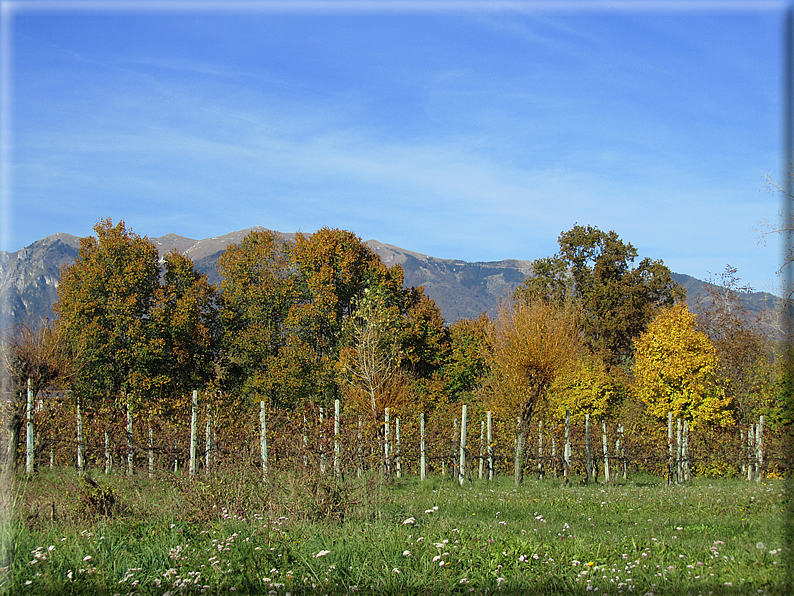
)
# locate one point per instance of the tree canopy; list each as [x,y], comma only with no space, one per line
[104,304]
[676,370]
[617,299]
[135,332]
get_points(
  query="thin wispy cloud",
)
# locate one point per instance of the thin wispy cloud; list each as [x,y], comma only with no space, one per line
[478,135]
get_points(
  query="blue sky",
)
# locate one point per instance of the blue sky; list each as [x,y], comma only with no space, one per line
[469,133]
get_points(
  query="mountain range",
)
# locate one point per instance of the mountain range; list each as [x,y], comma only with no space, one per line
[29,277]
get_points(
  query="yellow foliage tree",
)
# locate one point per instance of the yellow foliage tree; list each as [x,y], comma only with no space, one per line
[583,387]
[676,369]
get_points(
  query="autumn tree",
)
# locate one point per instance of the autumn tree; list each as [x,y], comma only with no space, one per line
[585,386]
[332,270]
[676,369]
[617,299]
[530,344]
[38,356]
[104,305]
[185,317]
[372,356]
[258,289]
[745,352]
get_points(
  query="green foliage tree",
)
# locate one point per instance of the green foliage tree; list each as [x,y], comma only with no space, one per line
[617,299]
[676,369]
[424,339]
[466,365]
[550,280]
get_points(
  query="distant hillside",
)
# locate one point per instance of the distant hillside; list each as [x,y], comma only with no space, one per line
[759,305]
[29,277]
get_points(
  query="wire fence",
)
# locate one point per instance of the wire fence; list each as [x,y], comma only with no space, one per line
[353,444]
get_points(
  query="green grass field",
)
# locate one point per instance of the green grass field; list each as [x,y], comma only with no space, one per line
[232,533]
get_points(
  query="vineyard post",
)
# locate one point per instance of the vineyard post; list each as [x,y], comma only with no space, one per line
[386,462]
[263,436]
[678,453]
[79,438]
[336,437]
[670,447]
[759,445]
[360,451]
[566,450]
[422,470]
[129,436]
[108,461]
[540,449]
[489,438]
[482,440]
[589,451]
[208,442]
[606,450]
[30,451]
[555,461]
[322,441]
[305,444]
[518,465]
[176,458]
[623,451]
[193,414]
[151,447]
[397,462]
[685,451]
[462,446]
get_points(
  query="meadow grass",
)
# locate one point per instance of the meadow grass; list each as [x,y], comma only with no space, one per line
[233,533]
